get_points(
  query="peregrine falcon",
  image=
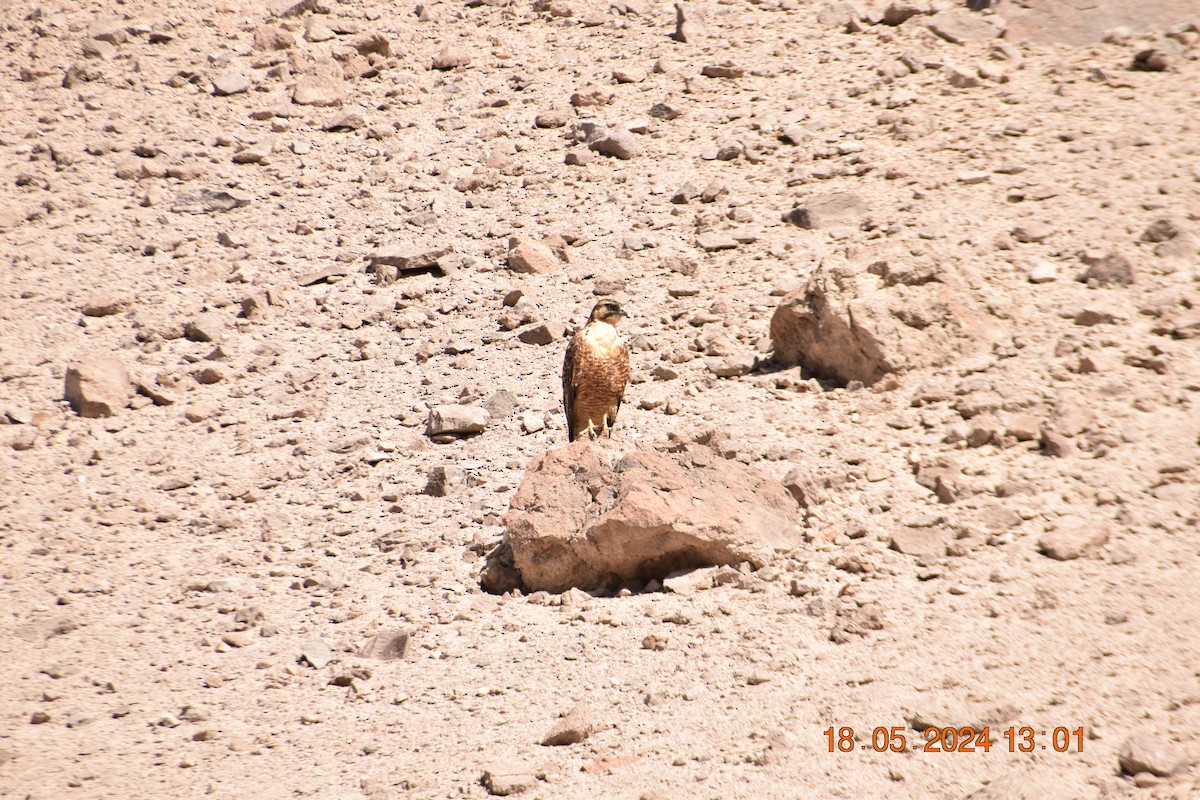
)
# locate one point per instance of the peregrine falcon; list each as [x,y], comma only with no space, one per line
[595,373]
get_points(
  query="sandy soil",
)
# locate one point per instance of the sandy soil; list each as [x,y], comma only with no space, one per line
[170,575]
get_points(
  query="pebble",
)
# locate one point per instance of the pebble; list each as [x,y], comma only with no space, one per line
[230,83]
[508,778]
[554,118]
[689,23]
[619,144]
[836,210]
[543,333]
[733,366]
[714,242]
[457,419]
[528,256]
[573,728]
[231,584]
[959,26]
[451,57]
[443,481]
[257,153]
[238,638]
[532,423]
[1043,272]
[1072,542]
[726,70]
[98,386]
[387,646]
[1113,269]
[316,652]
[1032,232]
[207,201]
[920,542]
[106,304]
[1151,753]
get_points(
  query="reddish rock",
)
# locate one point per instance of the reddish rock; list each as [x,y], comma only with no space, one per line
[846,326]
[588,515]
[526,255]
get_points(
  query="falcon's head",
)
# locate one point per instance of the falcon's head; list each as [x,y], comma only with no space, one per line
[609,311]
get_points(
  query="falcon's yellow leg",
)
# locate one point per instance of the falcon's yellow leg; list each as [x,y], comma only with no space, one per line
[590,430]
[605,430]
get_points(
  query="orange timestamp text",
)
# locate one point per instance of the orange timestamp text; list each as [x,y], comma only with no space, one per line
[1022,739]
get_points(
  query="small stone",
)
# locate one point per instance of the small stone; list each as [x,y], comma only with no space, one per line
[726,70]
[321,87]
[973,177]
[457,419]
[232,584]
[387,646]
[591,97]
[316,652]
[576,726]
[1024,427]
[711,242]
[198,412]
[1113,269]
[1153,754]
[526,255]
[271,38]
[579,158]
[543,333]
[98,386]
[532,423]
[730,366]
[451,57]
[1032,232]
[1073,542]
[316,31]
[1056,444]
[443,481]
[1153,59]
[375,43]
[665,111]
[229,83]
[238,638]
[837,210]
[257,153]
[960,77]
[39,718]
[689,23]
[107,304]
[1096,315]
[391,263]
[1043,272]
[207,201]
[689,581]
[504,779]
[920,542]
[554,118]
[619,144]
[959,25]
[629,75]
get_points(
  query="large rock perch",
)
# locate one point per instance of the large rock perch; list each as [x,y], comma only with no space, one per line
[852,324]
[587,517]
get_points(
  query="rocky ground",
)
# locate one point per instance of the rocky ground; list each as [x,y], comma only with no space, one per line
[940,279]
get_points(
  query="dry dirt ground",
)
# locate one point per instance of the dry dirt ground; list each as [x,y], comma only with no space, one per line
[185,585]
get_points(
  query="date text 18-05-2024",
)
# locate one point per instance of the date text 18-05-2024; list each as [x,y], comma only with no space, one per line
[1014,739]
